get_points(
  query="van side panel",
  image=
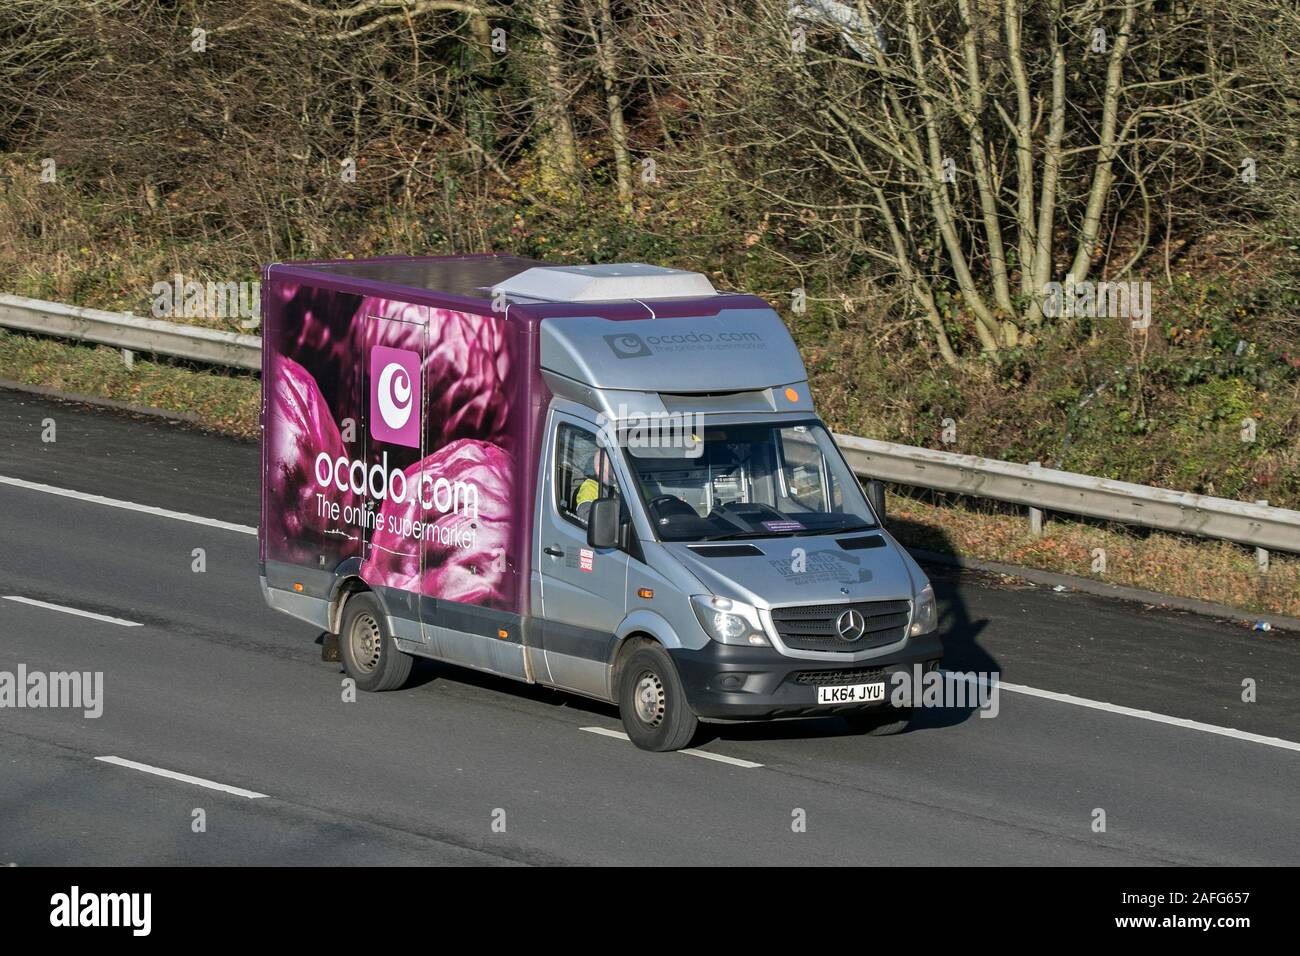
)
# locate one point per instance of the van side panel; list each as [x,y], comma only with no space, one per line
[309,393]
[393,436]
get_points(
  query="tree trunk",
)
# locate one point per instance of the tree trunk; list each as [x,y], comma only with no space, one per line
[558,146]
[603,37]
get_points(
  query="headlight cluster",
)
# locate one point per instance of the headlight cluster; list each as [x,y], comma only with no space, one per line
[925,615]
[729,622]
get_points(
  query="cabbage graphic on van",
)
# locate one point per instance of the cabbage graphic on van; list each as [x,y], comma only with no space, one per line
[450,536]
[300,429]
[388,440]
[466,366]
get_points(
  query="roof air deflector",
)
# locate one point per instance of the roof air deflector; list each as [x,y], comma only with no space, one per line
[607,282]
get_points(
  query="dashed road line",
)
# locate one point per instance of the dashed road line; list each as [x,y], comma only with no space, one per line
[17,599]
[182,777]
[720,758]
[126,505]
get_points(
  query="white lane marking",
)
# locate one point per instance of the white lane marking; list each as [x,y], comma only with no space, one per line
[720,758]
[126,505]
[723,758]
[1135,712]
[72,610]
[182,777]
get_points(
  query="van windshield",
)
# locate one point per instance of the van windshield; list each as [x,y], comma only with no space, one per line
[749,481]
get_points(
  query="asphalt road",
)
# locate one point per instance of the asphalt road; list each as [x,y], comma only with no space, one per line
[463,768]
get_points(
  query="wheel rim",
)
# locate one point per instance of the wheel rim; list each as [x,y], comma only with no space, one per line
[366,641]
[649,699]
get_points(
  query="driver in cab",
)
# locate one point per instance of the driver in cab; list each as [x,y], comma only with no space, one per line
[599,474]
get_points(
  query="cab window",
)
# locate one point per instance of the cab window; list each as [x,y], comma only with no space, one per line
[583,473]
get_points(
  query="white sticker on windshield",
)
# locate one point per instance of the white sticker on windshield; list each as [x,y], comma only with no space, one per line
[786,525]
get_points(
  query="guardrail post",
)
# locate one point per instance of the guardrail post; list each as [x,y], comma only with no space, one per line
[1036,514]
[1261,554]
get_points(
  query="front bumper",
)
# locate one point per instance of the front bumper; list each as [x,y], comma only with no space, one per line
[726,681]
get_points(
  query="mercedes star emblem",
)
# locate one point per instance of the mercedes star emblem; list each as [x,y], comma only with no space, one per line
[850,625]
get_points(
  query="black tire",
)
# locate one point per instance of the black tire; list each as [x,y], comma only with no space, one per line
[880,721]
[369,654]
[652,701]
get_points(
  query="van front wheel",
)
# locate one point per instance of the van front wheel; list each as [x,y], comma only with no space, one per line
[652,702]
[369,654]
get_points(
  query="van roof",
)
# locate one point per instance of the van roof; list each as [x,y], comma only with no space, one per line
[520,278]
[470,277]
[619,326]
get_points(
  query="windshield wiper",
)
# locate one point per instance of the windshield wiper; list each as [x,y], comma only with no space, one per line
[851,529]
[735,535]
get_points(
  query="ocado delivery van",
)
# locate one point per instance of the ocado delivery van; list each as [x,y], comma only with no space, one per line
[607,479]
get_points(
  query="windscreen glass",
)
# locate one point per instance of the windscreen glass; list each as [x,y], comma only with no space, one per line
[749,481]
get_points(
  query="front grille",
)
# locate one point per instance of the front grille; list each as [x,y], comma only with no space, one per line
[811,627]
[857,675]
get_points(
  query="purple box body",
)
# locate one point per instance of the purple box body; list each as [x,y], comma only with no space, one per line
[402,422]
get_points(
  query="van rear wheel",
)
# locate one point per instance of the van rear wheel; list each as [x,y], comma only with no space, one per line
[653,703]
[369,654]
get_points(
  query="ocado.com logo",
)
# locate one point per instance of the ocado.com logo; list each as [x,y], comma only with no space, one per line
[628,345]
[394,392]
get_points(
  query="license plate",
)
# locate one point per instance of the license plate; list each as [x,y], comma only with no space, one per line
[851,694]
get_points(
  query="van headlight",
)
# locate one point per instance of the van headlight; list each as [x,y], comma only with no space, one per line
[728,621]
[925,616]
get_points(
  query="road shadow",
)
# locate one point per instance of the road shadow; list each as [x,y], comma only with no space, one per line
[425,671]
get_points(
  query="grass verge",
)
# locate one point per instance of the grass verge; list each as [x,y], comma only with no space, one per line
[221,401]
[1216,571]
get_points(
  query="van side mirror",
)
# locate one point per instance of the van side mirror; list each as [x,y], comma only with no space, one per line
[602,523]
[876,497]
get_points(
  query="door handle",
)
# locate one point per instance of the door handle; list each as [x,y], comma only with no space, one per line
[554,552]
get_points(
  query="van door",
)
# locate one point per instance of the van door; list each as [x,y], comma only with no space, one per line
[584,590]
[393,410]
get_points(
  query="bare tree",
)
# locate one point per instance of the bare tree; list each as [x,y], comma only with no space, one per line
[604,38]
[992,144]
